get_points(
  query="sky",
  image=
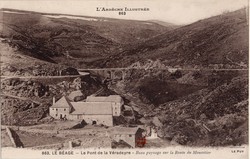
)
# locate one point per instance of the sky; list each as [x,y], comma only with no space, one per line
[173,11]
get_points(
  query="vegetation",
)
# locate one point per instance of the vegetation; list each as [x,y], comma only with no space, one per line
[188,81]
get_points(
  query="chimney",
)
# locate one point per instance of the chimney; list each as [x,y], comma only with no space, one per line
[54,100]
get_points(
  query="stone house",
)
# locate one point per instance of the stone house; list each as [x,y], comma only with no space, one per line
[96,110]
[115,100]
[61,108]
[131,135]
[92,112]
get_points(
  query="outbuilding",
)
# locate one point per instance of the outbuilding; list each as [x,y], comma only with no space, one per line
[133,136]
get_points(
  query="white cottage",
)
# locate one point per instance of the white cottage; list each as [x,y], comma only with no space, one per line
[96,110]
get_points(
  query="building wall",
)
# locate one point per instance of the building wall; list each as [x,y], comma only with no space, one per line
[57,112]
[94,119]
[116,107]
[128,138]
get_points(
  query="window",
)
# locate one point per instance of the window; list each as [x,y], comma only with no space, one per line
[64,109]
[130,135]
[56,109]
[56,114]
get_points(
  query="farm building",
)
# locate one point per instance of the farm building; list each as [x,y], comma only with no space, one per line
[115,100]
[96,110]
[134,136]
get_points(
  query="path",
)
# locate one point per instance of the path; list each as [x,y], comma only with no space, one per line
[43,77]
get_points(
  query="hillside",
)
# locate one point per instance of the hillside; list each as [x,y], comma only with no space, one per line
[219,40]
[65,39]
[190,107]
[163,23]
[197,103]
[215,117]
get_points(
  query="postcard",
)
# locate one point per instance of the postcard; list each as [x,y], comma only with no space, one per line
[124,79]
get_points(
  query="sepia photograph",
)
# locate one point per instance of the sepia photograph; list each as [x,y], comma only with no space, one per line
[129,79]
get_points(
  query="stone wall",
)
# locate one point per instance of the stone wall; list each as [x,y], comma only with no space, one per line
[52,146]
[11,136]
[94,119]
[14,138]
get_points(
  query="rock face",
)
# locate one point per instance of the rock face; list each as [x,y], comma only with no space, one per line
[26,88]
[77,83]
[25,92]
[76,96]
[40,90]
[36,70]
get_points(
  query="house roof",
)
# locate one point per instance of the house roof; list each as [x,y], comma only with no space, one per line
[92,108]
[62,103]
[111,98]
[124,130]
[114,98]
[95,99]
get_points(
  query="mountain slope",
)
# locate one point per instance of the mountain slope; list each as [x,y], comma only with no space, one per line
[163,23]
[217,40]
[63,38]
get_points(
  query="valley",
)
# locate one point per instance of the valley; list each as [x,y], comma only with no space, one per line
[188,83]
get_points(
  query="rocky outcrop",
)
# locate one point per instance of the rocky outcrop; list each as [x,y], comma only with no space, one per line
[76,96]
[157,122]
[69,71]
